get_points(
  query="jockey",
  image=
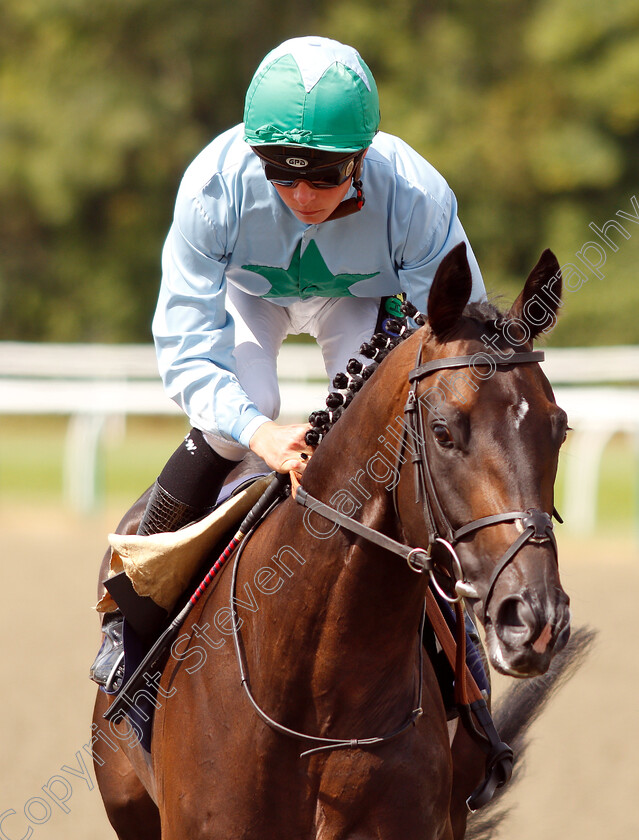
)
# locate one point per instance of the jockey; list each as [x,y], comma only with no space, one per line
[299,220]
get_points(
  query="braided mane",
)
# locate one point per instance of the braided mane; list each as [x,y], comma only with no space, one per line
[346,384]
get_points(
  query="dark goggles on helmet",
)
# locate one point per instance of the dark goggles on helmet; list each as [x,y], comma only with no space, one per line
[290,168]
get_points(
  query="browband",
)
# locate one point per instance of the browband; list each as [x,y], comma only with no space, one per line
[476,360]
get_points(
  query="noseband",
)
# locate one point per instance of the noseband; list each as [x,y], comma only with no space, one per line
[536,525]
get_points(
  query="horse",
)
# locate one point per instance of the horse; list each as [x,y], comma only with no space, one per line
[297,702]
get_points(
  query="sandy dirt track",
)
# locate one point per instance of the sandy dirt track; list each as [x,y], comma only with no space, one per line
[582,773]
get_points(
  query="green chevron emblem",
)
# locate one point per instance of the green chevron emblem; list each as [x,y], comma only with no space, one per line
[307,276]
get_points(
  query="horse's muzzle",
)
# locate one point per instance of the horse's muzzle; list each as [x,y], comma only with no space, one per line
[524,635]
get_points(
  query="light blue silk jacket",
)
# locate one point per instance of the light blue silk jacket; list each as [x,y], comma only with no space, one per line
[230,226]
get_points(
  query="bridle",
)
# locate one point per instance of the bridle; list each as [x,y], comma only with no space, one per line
[536,525]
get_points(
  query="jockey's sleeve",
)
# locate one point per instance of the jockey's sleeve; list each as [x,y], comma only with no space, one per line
[418,270]
[193,333]
[433,231]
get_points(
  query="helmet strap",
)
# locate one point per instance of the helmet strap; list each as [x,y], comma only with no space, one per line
[356,202]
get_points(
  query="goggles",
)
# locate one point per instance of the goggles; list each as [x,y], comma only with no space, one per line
[296,169]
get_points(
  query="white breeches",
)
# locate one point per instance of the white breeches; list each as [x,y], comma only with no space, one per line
[339,325]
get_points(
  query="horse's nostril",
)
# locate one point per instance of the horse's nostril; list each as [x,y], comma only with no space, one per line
[515,620]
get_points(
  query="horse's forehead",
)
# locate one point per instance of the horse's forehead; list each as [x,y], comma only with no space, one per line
[478,389]
[515,385]
[522,387]
[521,410]
[474,336]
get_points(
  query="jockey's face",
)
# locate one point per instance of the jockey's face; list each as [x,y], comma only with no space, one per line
[311,205]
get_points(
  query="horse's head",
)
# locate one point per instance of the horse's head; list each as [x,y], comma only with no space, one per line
[483,434]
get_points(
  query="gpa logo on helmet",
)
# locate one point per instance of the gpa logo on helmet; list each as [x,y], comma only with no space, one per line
[297,163]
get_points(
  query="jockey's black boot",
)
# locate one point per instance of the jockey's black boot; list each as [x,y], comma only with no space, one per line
[186,490]
[165,513]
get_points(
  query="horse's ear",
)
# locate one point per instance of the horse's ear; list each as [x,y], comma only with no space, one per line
[540,298]
[450,291]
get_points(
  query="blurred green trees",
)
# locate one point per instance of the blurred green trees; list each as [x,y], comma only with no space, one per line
[529,109]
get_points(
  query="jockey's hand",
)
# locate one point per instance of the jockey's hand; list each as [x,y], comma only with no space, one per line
[282,447]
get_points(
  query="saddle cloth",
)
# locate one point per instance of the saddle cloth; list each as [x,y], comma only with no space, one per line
[161,565]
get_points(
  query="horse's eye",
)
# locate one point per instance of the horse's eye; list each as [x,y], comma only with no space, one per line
[442,435]
[560,426]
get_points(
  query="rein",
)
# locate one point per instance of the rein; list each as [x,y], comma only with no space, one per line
[417,558]
[326,743]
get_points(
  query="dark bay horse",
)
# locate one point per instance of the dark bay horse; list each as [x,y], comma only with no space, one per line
[328,621]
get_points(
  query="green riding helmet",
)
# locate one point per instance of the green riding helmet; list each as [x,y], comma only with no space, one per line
[312,92]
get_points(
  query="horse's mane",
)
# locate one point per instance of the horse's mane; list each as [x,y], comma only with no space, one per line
[484,311]
[347,383]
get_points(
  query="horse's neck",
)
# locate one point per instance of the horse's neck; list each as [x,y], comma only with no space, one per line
[335,647]
[370,595]
[355,468]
